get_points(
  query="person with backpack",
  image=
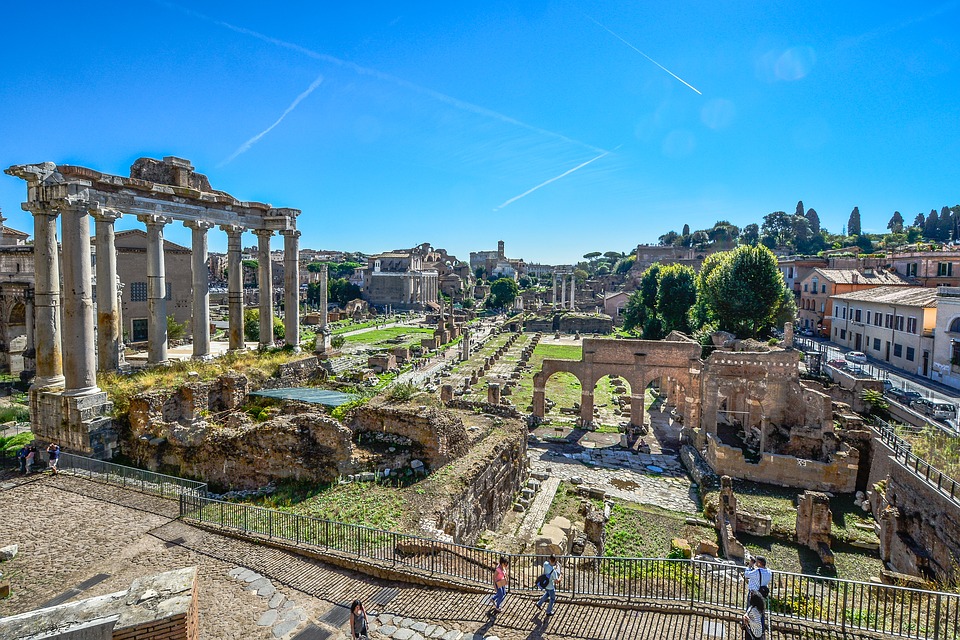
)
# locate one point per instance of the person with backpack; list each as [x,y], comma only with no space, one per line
[758,577]
[358,621]
[501,578]
[548,582]
[754,618]
[53,451]
[22,459]
[31,458]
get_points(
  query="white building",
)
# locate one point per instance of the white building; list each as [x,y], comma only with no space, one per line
[946,349]
[892,324]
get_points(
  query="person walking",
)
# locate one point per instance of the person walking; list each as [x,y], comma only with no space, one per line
[758,577]
[501,578]
[551,569]
[22,459]
[754,622]
[53,451]
[358,621]
[31,458]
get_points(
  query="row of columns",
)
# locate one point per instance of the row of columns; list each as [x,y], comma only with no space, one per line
[74,369]
[563,290]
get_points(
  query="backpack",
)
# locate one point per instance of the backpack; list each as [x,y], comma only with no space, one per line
[542,581]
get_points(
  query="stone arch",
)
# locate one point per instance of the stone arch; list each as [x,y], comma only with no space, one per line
[606,388]
[17,315]
[549,368]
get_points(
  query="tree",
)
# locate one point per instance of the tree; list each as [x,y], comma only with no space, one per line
[175,330]
[668,238]
[503,292]
[633,313]
[612,256]
[251,325]
[723,234]
[750,235]
[480,272]
[676,294]
[649,284]
[744,292]
[918,221]
[699,239]
[853,224]
[777,230]
[930,225]
[896,223]
[686,230]
[914,234]
[592,255]
[342,291]
[581,275]
[866,246]
[799,208]
[315,267]
[814,220]
[626,264]
[524,282]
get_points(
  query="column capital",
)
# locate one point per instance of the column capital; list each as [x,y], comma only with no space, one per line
[104,214]
[40,209]
[198,224]
[153,219]
[268,233]
[291,233]
[232,229]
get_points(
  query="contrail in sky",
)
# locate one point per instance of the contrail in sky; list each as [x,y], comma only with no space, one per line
[643,54]
[554,179]
[366,71]
[293,105]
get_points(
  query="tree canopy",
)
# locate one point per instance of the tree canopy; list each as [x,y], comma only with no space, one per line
[503,293]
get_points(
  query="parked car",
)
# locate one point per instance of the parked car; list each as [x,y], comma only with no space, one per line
[856,370]
[838,363]
[806,332]
[936,409]
[887,385]
[903,396]
[856,356]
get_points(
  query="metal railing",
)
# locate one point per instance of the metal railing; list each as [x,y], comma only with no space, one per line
[843,604]
[130,478]
[903,452]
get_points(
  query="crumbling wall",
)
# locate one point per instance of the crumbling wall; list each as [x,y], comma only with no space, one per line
[440,433]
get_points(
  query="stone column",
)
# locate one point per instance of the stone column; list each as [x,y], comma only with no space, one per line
[291,287]
[201,288]
[265,279]
[322,346]
[28,321]
[46,265]
[235,286]
[573,292]
[79,359]
[563,291]
[156,289]
[109,329]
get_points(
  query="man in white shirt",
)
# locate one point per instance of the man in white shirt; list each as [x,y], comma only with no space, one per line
[758,577]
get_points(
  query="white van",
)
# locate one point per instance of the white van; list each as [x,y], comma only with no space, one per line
[936,408]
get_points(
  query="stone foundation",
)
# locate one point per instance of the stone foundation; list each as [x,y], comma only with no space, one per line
[77,423]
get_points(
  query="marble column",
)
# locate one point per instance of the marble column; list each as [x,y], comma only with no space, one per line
[109,329]
[563,291]
[46,265]
[235,286]
[79,359]
[291,287]
[156,289]
[573,292]
[28,321]
[553,300]
[323,345]
[201,288]
[265,280]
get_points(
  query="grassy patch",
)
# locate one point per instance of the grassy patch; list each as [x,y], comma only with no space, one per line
[643,531]
[391,336]
[938,448]
[364,503]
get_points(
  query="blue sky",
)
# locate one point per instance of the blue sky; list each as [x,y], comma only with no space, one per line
[395,125]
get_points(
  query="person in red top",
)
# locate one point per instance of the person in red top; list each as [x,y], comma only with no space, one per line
[501,578]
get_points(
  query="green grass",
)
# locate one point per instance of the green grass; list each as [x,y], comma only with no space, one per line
[14,442]
[14,412]
[937,448]
[407,336]
[364,503]
[644,531]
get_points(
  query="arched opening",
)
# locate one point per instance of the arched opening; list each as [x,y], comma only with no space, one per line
[562,396]
[611,404]
[18,315]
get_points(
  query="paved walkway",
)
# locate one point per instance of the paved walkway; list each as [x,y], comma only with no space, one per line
[534,516]
[70,529]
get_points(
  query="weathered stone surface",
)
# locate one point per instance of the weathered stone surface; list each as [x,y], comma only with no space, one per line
[387,630]
[403,634]
[419,627]
[268,618]
[453,634]
[9,552]
[284,628]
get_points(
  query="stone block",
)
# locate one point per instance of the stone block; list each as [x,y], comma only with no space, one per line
[681,546]
[8,552]
[708,547]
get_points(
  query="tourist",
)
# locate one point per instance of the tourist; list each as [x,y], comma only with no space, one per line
[53,451]
[551,569]
[358,620]
[501,578]
[22,459]
[753,618]
[31,457]
[758,577]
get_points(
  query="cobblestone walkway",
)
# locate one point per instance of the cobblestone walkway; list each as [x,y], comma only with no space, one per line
[71,529]
[534,516]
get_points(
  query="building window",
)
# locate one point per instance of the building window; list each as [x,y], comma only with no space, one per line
[843,334]
[878,319]
[856,315]
[945,269]
[821,307]
[868,317]
[955,353]
[888,320]
[899,323]
[823,288]
[138,292]
[912,269]
[876,344]
[911,353]
[805,287]
[911,325]
[954,326]
[843,313]
[897,350]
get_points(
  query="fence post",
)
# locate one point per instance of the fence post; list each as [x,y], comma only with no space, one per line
[270,522]
[843,613]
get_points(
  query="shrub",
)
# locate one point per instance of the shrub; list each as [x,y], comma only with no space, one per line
[402,392]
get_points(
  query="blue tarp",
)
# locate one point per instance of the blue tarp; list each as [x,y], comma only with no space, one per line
[308,394]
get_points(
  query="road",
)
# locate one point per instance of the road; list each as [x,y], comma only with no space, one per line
[883,371]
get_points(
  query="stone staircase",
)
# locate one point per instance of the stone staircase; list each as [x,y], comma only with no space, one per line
[336,366]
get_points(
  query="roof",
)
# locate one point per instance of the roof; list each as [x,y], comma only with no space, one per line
[853,276]
[393,254]
[608,296]
[10,231]
[902,296]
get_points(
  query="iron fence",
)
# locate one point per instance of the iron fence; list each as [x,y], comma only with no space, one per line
[903,452]
[130,478]
[843,604]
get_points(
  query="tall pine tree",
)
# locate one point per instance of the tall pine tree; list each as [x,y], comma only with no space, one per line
[814,220]
[853,224]
[896,223]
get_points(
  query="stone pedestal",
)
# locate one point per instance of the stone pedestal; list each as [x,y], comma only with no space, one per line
[493,393]
[78,424]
